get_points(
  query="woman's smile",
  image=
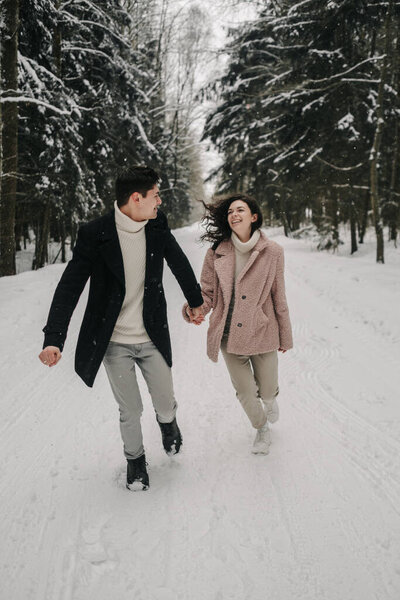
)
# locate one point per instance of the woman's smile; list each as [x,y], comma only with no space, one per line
[240,219]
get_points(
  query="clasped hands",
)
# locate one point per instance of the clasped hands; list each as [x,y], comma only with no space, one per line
[195,315]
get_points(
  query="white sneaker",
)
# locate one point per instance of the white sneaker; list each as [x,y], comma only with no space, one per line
[262,440]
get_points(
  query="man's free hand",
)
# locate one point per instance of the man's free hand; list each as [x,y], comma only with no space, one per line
[50,356]
[195,315]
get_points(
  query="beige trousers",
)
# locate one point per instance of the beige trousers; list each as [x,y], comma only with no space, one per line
[255,379]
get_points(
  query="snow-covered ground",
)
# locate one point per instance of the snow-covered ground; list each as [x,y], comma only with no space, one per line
[316,519]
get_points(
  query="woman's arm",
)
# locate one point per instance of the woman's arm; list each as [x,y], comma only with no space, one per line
[280,304]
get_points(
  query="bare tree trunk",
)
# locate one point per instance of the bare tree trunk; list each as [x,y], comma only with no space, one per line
[394,179]
[364,218]
[62,240]
[377,142]
[353,232]
[284,218]
[25,234]
[74,232]
[57,39]
[18,235]
[42,238]
[393,201]
[335,221]
[9,140]
[316,216]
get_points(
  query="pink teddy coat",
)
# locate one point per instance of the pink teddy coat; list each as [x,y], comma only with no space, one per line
[260,319]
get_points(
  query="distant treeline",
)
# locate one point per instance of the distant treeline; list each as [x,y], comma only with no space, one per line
[83,91]
[308,114]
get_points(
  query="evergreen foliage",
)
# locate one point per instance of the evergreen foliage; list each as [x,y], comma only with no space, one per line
[298,111]
[91,97]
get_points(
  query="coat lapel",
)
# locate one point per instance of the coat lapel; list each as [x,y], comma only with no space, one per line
[110,248]
[261,244]
[225,268]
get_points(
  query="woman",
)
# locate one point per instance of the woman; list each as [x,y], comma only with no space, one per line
[242,283]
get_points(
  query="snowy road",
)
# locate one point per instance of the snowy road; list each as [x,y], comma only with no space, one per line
[316,519]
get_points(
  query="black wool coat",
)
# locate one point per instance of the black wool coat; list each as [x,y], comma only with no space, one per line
[97,255]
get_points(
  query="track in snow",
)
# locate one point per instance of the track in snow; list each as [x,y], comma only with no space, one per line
[317,518]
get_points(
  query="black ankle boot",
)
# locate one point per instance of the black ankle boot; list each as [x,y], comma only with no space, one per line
[171,437]
[137,478]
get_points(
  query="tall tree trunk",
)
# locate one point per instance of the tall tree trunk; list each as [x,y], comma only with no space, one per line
[394,178]
[62,239]
[377,141]
[284,218]
[353,232]
[25,233]
[316,216]
[393,200]
[9,138]
[74,233]
[335,221]
[42,239]
[57,39]
[364,218]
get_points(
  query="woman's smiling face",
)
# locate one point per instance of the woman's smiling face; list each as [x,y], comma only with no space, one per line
[240,219]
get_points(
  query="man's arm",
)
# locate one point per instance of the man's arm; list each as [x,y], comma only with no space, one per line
[207,289]
[66,298]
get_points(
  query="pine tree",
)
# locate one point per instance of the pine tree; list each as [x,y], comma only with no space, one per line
[9,140]
[87,113]
[298,110]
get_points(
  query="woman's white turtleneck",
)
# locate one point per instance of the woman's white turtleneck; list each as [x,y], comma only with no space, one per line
[242,255]
[243,250]
[129,328]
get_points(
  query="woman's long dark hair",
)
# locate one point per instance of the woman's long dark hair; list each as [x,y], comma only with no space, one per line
[216,218]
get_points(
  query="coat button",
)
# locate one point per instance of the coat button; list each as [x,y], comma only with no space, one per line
[244,297]
[165,326]
[239,324]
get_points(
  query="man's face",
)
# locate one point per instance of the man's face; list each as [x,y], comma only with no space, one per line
[147,205]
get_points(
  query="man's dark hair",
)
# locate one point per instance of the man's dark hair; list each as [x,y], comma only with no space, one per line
[134,179]
[216,218]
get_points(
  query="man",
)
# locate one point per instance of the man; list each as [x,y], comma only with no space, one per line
[125,321]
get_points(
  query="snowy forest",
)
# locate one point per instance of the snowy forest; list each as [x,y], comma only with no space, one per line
[304,114]
[295,102]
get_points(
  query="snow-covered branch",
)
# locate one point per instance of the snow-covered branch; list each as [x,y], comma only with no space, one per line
[27,100]
[325,162]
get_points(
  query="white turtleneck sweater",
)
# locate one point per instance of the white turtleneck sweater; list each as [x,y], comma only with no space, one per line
[129,328]
[243,250]
[242,254]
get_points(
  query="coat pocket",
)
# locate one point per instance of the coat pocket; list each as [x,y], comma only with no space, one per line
[261,317]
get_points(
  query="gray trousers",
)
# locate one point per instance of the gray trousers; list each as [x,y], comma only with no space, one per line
[120,361]
[255,379]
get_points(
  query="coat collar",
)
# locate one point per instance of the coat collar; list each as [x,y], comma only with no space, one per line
[110,247]
[226,247]
[225,263]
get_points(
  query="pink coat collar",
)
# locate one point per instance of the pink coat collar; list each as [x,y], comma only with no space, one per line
[226,247]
